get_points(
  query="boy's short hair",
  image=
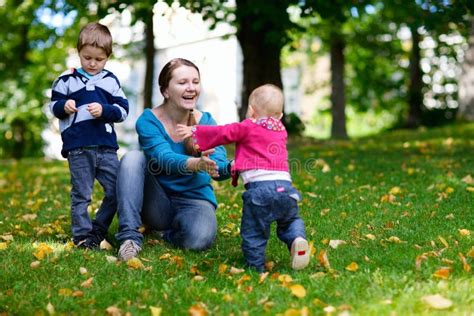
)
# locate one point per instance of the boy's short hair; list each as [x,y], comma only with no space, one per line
[267,99]
[97,35]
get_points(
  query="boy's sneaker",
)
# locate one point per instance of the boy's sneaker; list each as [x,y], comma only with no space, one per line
[300,253]
[88,243]
[128,249]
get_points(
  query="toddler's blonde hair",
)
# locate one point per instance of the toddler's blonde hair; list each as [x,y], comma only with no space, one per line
[267,100]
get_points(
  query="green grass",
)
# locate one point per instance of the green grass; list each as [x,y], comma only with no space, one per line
[429,205]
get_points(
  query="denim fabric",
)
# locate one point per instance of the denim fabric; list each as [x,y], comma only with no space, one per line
[265,202]
[187,223]
[86,165]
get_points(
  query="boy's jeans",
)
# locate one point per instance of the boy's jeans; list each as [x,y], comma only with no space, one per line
[87,164]
[265,202]
[186,223]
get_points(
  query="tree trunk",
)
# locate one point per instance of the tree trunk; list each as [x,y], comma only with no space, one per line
[338,100]
[415,94]
[261,55]
[150,59]
[466,82]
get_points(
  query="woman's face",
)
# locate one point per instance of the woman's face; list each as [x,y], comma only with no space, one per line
[184,87]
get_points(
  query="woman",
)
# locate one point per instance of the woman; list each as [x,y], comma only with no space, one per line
[164,187]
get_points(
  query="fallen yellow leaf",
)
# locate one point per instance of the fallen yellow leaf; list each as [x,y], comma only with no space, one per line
[7,237]
[285,279]
[87,283]
[470,254]
[336,243]
[468,179]
[443,241]
[465,265]
[263,276]
[395,190]
[42,250]
[234,270]
[323,259]
[437,301]
[155,311]
[3,245]
[34,264]
[370,236]
[442,273]
[50,309]
[135,263]
[197,310]
[105,245]
[222,268]
[114,311]
[465,232]
[352,267]
[29,217]
[298,290]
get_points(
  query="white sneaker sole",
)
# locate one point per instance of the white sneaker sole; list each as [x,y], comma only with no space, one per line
[300,254]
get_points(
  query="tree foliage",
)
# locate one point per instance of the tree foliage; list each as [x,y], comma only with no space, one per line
[32,53]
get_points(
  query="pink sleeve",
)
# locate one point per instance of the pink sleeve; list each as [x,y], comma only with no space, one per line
[209,136]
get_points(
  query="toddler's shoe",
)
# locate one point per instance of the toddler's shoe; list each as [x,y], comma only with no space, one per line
[300,253]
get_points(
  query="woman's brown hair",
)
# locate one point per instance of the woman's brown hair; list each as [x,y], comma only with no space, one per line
[163,81]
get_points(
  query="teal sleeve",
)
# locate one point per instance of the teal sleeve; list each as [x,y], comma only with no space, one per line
[157,149]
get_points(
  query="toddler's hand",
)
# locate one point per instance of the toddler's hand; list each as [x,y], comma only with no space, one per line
[184,131]
[95,109]
[70,106]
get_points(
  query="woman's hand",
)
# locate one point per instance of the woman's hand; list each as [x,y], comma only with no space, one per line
[184,131]
[204,163]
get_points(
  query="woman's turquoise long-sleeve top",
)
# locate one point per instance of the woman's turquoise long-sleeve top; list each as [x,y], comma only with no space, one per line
[167,160]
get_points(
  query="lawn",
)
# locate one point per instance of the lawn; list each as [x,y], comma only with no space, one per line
[390,219]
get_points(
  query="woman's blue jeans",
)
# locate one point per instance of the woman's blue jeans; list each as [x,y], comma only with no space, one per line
[187,223]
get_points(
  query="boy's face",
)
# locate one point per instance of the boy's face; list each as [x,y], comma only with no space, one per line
[93,59]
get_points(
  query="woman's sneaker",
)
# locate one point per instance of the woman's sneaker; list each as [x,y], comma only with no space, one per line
[300,253]
[128,249]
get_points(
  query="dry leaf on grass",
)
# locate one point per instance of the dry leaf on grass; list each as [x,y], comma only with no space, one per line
[155,311]
[442,273]
[42,250]
[87,283]
[336,243]
[135,263]
[437,301]
[50,309]
[114,311]
[105,245]
[298,290]
[465,232]
[234,270]
[198,309]
[352,267]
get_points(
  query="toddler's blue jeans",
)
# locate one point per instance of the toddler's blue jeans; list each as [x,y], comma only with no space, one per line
[265,202]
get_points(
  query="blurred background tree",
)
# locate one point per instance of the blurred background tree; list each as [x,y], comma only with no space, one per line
[388,56]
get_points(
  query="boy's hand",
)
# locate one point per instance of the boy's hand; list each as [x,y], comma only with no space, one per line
[95,109]
[184,131]
[70,106]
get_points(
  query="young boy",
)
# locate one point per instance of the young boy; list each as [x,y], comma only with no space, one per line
[261,159]
[87,101]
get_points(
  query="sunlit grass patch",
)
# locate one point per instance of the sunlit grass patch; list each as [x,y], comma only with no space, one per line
[389,219]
